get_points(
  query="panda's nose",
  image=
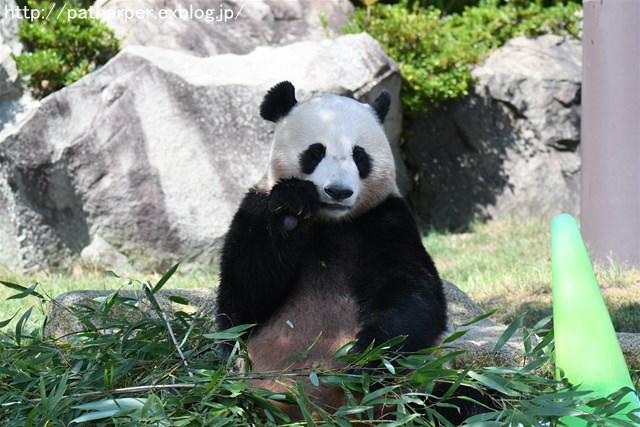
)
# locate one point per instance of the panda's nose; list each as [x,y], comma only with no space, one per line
[338,193]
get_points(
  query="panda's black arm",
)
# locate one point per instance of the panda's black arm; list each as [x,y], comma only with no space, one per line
[400,291]
[255,273]
[260,258]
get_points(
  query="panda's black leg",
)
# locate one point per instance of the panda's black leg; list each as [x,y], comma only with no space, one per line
[262,252]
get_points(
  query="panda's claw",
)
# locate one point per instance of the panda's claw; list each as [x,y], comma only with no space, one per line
[290,222]
[294,197]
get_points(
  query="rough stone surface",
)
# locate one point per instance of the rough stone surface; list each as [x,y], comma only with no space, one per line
[232,26]
[9,20]
[630,344]
[460,308]
[481,336]
[152,153]
[510,148]
[100,252]
[62,322]
[15,100]
[9,82]
[16,107]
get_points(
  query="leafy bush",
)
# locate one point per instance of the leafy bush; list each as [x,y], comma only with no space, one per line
[435,53]
[59,51]
[132,367]
[457,6]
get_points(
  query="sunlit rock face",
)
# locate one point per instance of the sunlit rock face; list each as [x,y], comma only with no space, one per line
[144,161]
[510,148]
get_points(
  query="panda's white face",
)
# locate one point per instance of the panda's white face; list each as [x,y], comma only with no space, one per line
[338,144]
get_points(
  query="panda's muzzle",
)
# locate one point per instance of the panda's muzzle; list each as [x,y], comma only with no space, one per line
[337,200]
[338,193]
[335,207]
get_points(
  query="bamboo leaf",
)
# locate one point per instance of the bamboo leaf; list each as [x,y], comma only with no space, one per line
[351,410]
[479,318]
[389,366]
[303,404]
[24,292]
[493,382]
[313,377]
[7,321]
[370,399]
[179,300]
[165,278]
[508,333]
[229,334]
[454,336]
[344,350]
[20,324]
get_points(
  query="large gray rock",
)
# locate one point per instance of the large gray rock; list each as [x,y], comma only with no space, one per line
[510,147]
[15,100]
[481,336]
[63,322]
[10,17]
[149,156]
[204,28]
[9,80]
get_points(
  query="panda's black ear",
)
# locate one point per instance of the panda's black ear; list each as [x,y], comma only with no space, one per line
[381,105]
[278,101]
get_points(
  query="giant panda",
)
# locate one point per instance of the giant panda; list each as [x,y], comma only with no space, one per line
[324,251]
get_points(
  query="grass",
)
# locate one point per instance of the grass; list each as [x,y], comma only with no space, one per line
[84,277]
[507,265]
[503,264]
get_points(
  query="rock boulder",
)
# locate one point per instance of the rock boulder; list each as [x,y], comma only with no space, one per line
[508,149]
[15,100]
[63,322]
[149,156]
[204,28]
[481,336]
[10,18]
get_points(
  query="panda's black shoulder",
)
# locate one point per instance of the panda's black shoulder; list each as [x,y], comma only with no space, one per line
[390,230]
[393,212]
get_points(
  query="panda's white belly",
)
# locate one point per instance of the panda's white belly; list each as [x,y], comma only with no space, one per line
[317,320]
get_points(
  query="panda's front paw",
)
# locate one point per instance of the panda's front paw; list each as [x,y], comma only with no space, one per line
[292,201]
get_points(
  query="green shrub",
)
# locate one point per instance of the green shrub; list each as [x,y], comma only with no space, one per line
[457,6]
[59,51]
[435,53]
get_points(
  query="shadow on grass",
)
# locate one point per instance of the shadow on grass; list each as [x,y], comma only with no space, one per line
[625,317]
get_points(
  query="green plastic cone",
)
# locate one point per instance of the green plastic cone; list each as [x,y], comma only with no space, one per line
[586,346]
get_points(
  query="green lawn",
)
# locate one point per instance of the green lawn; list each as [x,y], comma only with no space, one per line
[55,283]
[507,265]
[504,265]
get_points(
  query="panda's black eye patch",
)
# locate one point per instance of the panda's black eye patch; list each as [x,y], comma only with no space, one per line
[311,157]
[362,161]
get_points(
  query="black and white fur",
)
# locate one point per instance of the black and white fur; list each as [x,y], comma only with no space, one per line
[324,249]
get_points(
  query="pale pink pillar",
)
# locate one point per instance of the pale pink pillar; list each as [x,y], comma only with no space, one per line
[610,148]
